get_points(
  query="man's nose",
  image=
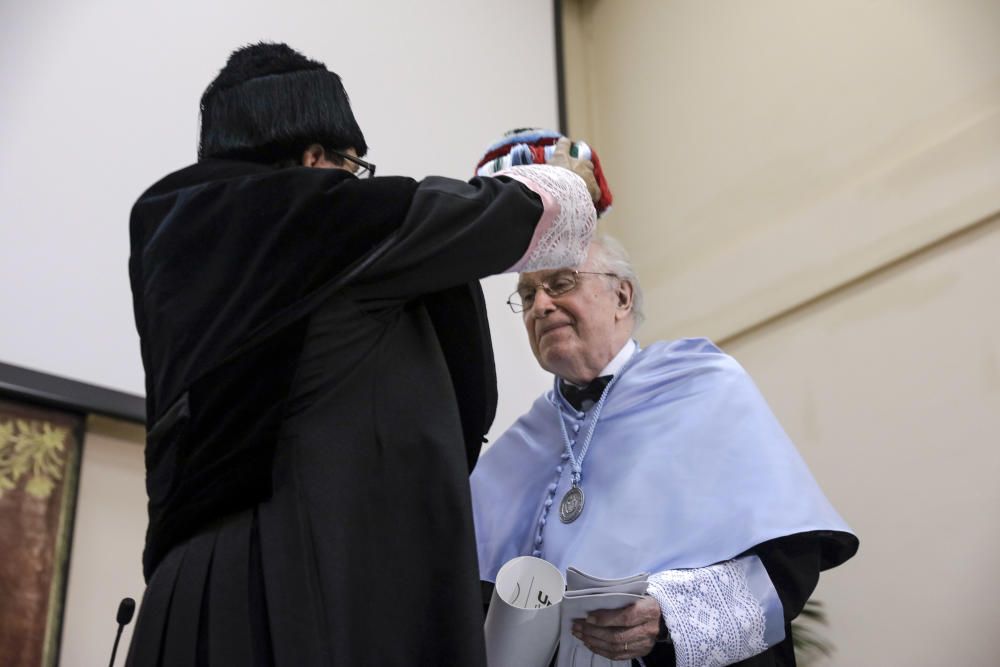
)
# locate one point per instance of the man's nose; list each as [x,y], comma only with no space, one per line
[543,303]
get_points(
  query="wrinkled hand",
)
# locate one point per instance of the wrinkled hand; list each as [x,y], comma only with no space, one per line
[583,168]
[621,634]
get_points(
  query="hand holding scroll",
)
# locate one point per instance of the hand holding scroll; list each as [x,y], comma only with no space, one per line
[621,634]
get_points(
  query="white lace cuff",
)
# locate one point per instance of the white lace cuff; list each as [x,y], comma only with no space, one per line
[568,218]
[720,614]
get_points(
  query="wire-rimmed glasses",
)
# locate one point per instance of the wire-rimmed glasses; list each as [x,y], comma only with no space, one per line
[557,284]
[362,168]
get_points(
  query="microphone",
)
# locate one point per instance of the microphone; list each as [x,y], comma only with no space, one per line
[125,610]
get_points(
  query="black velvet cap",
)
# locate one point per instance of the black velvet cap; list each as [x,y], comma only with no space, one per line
[270,102]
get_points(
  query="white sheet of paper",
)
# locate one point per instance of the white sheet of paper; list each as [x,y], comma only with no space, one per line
[522,624]
[577,580]
[572,652]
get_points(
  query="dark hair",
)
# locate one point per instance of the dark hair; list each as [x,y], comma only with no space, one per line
[269,103]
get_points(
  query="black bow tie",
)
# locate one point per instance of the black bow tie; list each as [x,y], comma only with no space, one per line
[577,396]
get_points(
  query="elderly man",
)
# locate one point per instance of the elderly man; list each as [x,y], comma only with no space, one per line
[663,460]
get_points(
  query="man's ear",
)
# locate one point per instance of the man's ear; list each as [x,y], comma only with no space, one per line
[624,294]
[313,155]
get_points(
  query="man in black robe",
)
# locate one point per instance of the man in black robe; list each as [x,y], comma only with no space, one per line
[319,376]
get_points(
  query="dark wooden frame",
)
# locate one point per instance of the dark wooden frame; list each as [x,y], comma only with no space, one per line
[59,392]
[557,25]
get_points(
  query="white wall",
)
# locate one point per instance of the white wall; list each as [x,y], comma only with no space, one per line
[106,556]
[100,99]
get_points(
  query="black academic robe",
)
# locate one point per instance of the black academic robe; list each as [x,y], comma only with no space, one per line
[319,379]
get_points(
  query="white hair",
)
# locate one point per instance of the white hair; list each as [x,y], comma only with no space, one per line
[612,257]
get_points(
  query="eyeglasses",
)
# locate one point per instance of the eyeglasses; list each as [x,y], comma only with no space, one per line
[362,169]
[559,283]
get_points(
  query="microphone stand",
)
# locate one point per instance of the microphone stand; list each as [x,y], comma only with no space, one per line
[125,610]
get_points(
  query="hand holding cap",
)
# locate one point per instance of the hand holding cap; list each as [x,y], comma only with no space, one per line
[583,168]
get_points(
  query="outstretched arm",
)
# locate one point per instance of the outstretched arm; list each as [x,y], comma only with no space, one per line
[454,232]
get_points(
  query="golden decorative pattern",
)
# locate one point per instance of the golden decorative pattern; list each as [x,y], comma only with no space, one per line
[32,449]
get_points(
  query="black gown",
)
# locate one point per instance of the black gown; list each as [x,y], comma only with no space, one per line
[319,379]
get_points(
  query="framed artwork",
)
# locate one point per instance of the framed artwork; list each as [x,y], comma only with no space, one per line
[39,473]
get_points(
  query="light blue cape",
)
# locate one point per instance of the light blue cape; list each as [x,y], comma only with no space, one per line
[687,467]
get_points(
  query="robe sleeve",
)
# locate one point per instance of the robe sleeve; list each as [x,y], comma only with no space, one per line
[455,232]
[720,614]
[749,602]
[563,233]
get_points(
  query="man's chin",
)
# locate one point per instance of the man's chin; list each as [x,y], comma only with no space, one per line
[555,359]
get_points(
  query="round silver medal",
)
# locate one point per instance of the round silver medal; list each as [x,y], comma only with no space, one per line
[571,506]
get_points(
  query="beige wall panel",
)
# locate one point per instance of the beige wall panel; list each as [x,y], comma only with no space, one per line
[765,152]
[891,389]
[106,557]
